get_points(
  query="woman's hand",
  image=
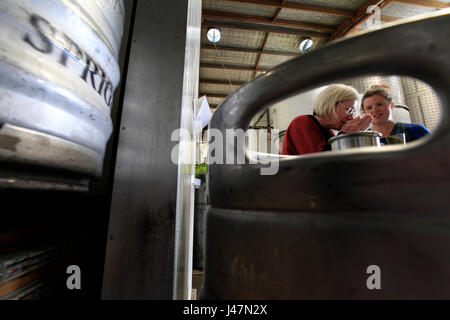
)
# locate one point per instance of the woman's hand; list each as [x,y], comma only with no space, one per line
[357,124]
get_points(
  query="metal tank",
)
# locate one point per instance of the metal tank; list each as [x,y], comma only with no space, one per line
[401,113]
[423,103]
[362,84]
[58,73]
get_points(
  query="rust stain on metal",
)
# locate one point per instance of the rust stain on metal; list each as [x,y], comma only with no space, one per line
[8,142]
[247,280]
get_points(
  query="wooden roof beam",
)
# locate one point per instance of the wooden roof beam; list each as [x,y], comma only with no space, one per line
[360,16]
[213,95]
[258,59]
[248,50]
[224,82]
[277,13]
[228,67]
[265,28]
[227,16]
[389,18]
[384,19]
[259,55]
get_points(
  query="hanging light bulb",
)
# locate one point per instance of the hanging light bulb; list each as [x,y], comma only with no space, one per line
[213,35]
[306,44]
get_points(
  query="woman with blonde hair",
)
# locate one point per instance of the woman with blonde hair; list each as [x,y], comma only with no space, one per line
[334,108]
[377,101]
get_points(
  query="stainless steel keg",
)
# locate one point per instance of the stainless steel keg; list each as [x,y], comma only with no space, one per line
[58,73]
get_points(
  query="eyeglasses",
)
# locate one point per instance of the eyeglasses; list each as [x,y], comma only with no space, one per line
[349,109]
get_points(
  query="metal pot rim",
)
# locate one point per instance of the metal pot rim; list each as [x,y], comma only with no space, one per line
[355,134]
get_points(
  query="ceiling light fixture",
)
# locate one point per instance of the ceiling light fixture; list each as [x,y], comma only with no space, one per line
[213,34]
[306,44]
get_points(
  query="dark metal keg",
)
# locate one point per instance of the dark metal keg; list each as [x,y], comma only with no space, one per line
[319,227]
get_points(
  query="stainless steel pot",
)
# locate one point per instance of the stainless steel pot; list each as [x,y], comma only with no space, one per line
[355,140]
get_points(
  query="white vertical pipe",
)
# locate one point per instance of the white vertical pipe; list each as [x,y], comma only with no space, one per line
[184,230]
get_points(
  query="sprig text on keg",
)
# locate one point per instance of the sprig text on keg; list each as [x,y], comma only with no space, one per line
[55,43]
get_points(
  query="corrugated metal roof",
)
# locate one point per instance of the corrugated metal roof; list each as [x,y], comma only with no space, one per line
[242,8]
[235,37]
[403,10]
[314,17]
[271,61]
[214,101]
[232,75]
[283,42]
[217,88]
[228,57]
[287,42]
[340,4]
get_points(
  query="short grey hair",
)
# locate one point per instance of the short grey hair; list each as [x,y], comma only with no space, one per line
[329,97]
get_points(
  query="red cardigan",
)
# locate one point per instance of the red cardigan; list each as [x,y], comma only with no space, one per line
[305,135]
